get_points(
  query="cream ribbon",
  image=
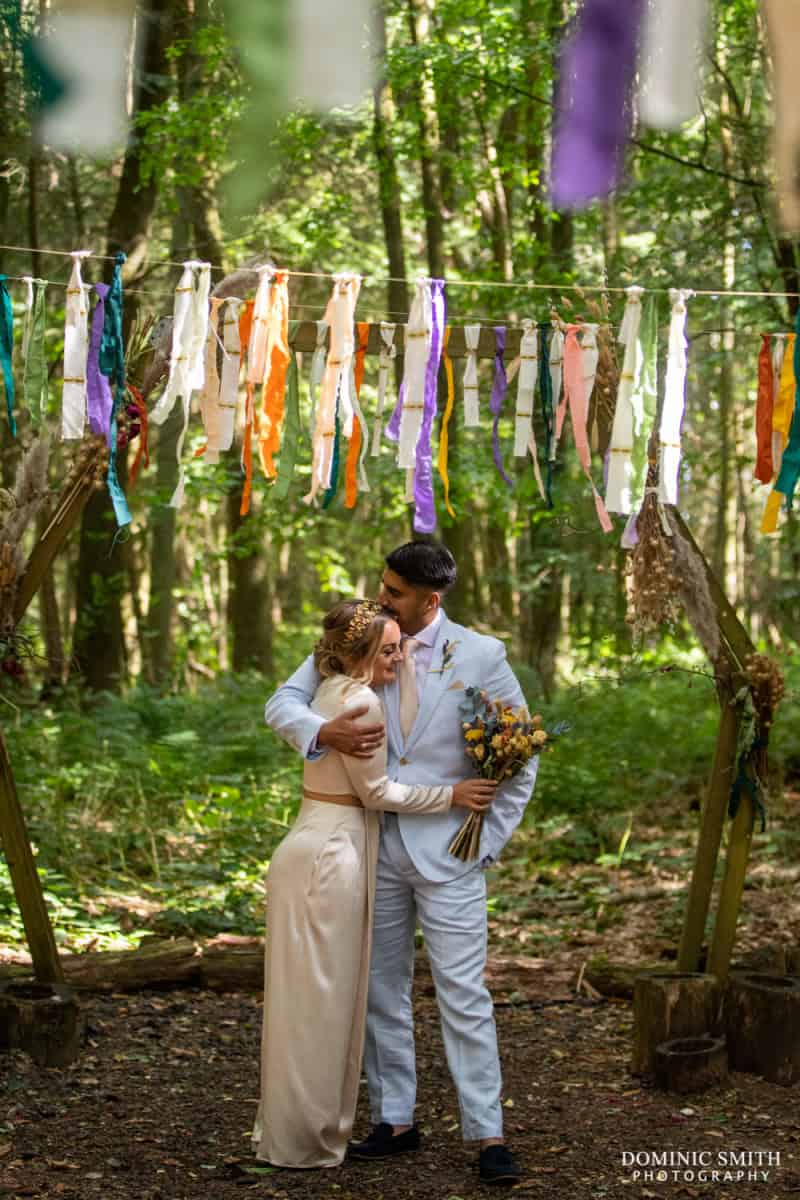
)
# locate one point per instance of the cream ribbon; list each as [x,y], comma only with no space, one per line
[259,329]
[783,23]
[526,367]
[198,318]
[619,498]
[229,383]
[556,377]
[669,434]
[671,51]
[472,336]
[210,413]
[387,354]
[336,381]
[76,351]
[409,492]
[317,369]
[418,345]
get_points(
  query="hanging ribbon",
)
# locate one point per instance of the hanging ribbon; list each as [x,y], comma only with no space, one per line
[527,364]
[783,24]
[317,370]
[34,378]
[334,414]
[444,434]
[546,393]
[577,402]
[425,507]
[499,388]
[7,350]
[782,412]
[670,58]
[210,413]
[142,448]
[590,353]
[790,461]
[178,379]
[76,349]
[406,420]
[98,389]
[256,369]
[556,379]
[593,111]
[291,429]
[111,359]
[274,390]
[228,402]
[387,355]
[644,402]
[619,483]
[472,337]
[669,436]
[358,439]
[764,406]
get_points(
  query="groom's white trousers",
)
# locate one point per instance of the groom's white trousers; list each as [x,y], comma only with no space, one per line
[453,920]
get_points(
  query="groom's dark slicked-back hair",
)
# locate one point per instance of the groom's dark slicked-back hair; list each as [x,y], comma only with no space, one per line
[425,564]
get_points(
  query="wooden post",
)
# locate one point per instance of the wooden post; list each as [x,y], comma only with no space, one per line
[730,898]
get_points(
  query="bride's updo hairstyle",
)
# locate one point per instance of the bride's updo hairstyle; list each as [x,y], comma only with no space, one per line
[352,635]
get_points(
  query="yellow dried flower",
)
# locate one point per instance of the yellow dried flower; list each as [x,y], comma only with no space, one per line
[539,737]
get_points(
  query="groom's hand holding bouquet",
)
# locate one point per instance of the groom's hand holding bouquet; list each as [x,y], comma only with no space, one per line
[500,741]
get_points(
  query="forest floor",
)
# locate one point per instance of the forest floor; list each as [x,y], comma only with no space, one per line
[161,1102]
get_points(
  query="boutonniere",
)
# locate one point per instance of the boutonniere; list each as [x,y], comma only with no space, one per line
[448,650]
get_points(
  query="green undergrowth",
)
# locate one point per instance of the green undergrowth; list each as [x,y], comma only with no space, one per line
[154,814]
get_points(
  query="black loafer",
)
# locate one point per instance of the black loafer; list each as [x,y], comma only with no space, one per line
[382,1143]
[497,1165]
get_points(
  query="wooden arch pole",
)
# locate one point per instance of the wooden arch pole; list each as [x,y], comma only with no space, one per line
[13,830]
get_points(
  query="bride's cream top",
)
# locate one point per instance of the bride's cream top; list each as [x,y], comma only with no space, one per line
[366,778]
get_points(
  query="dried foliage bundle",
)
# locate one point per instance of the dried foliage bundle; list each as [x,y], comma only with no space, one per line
[655,583]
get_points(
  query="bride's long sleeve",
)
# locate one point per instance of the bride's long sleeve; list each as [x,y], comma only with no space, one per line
[373,787]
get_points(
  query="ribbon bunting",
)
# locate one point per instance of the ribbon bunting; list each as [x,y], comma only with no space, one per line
[272,396]
[499,388]
[334,410]
[256,369]
[98,389]
[354,467]
[228,401]
[472,336]
[669,436]
[782,413]
[619,484]
[76,349]
[406,420]
[790,463]
[317,369]
[388,352]
[425,509]
[576,400]
[444,434]
[556,366]
[7,350]
[111,360]
[291,429]
[546,393]
[34,377]
[527,367]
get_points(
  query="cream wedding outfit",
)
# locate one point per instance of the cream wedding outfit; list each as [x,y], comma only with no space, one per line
[320,893]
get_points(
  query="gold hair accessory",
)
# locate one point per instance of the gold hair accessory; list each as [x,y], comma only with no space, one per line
[360,621]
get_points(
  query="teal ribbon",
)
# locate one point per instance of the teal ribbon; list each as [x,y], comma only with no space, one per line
[112,364]
[7,349]
[546,393]
[330,491]
[790,463]
[34,378]
[291,428]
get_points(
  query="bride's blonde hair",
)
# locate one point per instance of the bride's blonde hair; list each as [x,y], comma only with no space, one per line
[352,635]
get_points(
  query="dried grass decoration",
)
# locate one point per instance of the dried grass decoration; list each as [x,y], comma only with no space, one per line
[500,741]
[655,582]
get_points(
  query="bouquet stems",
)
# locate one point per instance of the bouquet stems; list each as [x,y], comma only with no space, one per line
[466,842]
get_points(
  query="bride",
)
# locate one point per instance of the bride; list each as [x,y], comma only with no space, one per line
[320,890]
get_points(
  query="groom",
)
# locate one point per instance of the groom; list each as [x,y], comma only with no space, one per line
[417,879]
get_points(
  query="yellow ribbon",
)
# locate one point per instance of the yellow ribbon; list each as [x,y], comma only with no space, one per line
[448,412]
[782,413]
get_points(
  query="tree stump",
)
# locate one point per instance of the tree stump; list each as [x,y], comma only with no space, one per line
[43,1019]
[762,1016]
[690,1064]
[670,1005]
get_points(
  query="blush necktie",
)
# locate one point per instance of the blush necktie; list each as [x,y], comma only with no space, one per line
[409,701]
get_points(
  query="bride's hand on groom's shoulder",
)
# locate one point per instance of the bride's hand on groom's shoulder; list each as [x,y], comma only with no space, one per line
[345,734]
[474,794]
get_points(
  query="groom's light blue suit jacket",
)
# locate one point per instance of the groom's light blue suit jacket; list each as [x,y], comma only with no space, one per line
[434,751]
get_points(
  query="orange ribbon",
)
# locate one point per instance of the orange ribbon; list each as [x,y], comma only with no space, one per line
[764,406]
[274,389]
[354,449]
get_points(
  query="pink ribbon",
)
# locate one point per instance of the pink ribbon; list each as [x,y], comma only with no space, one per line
[575,399]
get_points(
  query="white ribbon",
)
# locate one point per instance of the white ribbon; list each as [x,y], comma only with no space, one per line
[472,336]
[330,66]
[556,376]
[198,317]
[336,381]
[670,57]
[619,497]
[76,352]
[229,383]
[209,398]
[259,330]
[317,369]
[418,345]
[669,434]
[527,364]
[387,354]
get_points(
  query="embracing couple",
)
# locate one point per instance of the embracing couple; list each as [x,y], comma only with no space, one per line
[375,713]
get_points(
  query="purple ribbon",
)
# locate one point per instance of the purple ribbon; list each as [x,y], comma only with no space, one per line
[392,430]
[499,388]
[593,111]
[425,508]
[98,389]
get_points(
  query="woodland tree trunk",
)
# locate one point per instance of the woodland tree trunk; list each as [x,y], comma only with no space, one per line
[389,184]
[249,590]
[420,15]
